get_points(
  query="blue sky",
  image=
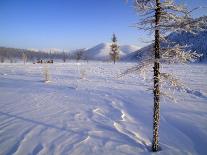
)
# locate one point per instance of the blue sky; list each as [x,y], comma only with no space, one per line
[70,24]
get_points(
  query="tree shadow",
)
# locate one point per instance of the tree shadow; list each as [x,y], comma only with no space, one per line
[38,122]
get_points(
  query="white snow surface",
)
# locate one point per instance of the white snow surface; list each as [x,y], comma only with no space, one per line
[87,109]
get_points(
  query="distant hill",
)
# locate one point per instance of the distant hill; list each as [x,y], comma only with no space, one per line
[195,42]
[127,49]
[101,51]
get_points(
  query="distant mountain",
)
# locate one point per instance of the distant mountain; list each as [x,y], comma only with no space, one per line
[127,49]
[52,50]
[139,54]
[101,51]
[194,41]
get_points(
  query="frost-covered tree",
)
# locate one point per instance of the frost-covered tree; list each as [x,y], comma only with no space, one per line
[114,53]
[161,17]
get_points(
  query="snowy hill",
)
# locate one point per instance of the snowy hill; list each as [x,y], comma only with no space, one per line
[195,42]
[127,49]
[139,54]
[101,51]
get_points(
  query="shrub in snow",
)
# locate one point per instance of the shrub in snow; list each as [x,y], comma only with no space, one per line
[46,73]
[82,74]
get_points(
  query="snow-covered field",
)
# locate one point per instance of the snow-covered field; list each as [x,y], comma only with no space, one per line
[87,109]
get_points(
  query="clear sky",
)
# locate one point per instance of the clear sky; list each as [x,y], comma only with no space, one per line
[70,24]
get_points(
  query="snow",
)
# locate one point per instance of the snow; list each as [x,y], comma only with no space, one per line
[86,108]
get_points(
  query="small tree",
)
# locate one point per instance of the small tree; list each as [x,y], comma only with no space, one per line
[24,57]
[2,59]
[64,57]
[114,53]
[46,73]
[11,60]
[79,54]
[162,17]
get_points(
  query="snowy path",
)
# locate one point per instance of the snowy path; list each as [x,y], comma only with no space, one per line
[86,109]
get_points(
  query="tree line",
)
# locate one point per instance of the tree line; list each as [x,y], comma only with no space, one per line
[13,55]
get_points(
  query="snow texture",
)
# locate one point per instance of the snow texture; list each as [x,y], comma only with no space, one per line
[86,109]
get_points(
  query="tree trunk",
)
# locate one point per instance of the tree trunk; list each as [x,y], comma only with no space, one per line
[156,91]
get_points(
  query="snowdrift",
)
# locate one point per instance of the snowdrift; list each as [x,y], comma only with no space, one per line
[96,113]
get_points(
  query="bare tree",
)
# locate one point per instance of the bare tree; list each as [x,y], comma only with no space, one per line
[64,57]
[114,53]
[161,17]
[79,54]
[2,59]
[46,73]
[24,57]
[11,60]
